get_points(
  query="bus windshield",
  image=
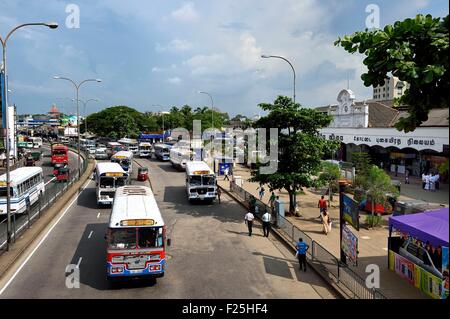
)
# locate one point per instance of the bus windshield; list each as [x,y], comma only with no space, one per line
[123,238]
[59,152]
[209,180]
[121,181]
[150,237]
[106,182]
[3,191]
[195,180]
[146,237]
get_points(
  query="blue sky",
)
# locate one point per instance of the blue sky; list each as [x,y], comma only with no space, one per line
[164,52]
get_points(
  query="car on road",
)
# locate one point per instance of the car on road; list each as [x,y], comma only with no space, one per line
[91,150]
[101,154]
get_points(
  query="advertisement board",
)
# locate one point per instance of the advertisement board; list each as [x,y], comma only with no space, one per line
[445,272]
[350,211]
[417,276]
[68,120]
[350,244]
[70,131]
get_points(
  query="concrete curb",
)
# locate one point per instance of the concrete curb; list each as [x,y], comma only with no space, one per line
[8,258]
[283,238]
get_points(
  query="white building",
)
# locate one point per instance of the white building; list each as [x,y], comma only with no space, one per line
[393,88]
[369,126]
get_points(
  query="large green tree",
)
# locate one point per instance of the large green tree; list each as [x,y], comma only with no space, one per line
[118,122]
[415,51]
[301,148]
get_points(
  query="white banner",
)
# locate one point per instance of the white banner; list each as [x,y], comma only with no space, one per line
[423,138]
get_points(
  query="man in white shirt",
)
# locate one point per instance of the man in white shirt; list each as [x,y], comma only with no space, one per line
[249,221]
[266,223]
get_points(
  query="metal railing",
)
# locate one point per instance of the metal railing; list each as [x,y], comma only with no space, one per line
[53,192]
[349,282]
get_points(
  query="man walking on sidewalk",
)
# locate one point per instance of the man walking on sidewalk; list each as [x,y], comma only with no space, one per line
[249,221]
[302,248]
[322,205]
[226,172]
[266,223]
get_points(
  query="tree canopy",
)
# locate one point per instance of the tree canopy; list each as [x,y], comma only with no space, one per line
[121,121]
[415,51]
[301,148]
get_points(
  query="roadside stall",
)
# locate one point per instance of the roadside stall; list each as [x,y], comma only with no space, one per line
[418,250]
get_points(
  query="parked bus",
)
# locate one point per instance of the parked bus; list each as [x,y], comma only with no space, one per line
[162,151]
[60,154]
[109,176]
[180,156]
[37,141]
[125,159]
[26,187]
[145,149]
[200,181]
[136,234]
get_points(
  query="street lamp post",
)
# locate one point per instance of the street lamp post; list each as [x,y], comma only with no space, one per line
[77,87]
[162,114]
[212,107]
[280,57]
[85,113]
[4,42]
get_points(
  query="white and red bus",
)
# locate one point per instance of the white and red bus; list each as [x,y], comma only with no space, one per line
[136,244]
[60,154]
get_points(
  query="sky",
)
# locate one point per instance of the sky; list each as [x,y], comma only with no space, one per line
[164,52]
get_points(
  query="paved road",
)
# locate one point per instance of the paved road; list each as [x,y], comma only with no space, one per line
[211,255]
[47,168]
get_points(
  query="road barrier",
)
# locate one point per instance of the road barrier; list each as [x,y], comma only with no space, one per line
[325,263]
[53,191]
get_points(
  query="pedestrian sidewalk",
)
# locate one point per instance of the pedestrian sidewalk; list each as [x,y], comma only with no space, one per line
[372,244]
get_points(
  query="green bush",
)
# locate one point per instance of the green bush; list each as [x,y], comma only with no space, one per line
[373,220]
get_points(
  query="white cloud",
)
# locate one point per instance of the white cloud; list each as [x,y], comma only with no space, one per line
[186,13]
[174,80]
[176,45]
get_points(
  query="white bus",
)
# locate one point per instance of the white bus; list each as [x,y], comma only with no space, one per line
[162,151]
[109,176]
[130,144]
[200,181]
[37,141]
[114,147]
[125,159]
[180,156]
[136,244]
[27,185]
[145,149]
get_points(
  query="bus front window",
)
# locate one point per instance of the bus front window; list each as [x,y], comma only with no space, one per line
[209,180]
[121,181]
[123,238]
[150,237]
[106,182]
[195,180]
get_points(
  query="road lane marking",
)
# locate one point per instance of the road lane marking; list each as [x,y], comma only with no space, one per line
[43,239]
[49,181]
[90,234]
[98,215]
[79,262]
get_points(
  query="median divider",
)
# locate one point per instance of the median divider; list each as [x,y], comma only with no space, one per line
[48,208]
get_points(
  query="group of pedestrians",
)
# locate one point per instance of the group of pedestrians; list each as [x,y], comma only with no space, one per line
[324,216]
[430,182]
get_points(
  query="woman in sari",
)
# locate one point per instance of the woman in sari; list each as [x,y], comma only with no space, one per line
[326,222]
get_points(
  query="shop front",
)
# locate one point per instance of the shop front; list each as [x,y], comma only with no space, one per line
[423,150]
